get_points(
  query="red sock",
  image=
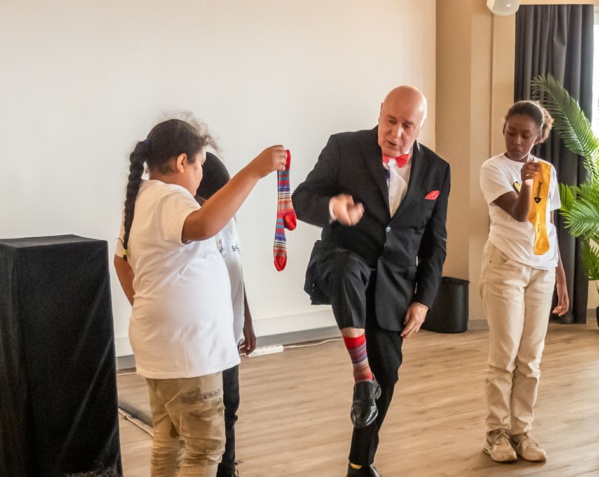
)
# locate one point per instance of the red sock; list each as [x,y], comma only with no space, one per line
[359,357]
[286,218]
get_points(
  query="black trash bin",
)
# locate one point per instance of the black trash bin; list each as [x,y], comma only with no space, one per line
[449,313]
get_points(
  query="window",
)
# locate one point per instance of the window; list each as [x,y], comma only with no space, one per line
[595,110]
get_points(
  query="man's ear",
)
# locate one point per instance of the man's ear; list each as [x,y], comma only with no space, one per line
[181,162]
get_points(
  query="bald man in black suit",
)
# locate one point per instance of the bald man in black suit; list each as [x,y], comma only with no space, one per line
[381,199]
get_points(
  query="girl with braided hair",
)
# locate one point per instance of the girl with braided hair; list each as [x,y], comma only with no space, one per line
[169,266]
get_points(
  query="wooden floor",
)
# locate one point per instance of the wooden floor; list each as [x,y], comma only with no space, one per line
[294,417]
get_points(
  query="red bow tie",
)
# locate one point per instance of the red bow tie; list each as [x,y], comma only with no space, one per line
[400,160]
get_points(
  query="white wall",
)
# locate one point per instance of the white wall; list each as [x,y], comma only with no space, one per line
[81,81]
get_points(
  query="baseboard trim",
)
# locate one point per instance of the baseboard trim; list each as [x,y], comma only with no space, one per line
[478,324]
[125,362]
[302,336]
[295,337]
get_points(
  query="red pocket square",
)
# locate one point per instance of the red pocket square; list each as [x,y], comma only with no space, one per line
[432,195]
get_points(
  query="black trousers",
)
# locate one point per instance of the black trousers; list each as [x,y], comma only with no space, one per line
[226,468]
[350,285]
[344,277]
[384,357]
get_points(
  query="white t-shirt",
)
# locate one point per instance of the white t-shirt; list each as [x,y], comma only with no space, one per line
[182,321]
[227,242]
[498,176]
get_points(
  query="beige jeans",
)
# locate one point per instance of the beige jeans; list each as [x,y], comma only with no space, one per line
[517,303]
[190,409]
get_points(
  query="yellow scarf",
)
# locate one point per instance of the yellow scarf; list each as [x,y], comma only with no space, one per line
[537,214]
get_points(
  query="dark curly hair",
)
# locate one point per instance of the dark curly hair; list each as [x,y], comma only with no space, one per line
[214,177]
[166,140]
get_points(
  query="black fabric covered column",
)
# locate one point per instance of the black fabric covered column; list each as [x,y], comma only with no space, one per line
[58,397]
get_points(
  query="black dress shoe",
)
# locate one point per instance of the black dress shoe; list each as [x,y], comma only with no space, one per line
[234,474]
[363,409]
[364,471]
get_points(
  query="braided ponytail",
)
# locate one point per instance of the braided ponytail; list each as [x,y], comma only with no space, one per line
[166,140]
[136,169]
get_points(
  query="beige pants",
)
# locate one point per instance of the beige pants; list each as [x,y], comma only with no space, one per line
[517,303]
[190,409]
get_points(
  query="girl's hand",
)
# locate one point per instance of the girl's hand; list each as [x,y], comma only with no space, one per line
[563,300]
[528,172]
[271,159]
[563,304]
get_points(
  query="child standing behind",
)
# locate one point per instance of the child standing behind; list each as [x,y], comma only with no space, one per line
[181,328]
[227,242]
[520,268]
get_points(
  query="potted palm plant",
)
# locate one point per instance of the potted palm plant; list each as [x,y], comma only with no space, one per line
[580,204]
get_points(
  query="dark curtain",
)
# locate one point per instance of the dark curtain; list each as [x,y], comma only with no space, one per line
[558,39]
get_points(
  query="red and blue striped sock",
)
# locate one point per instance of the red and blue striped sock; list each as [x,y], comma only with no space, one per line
[359,357]
[286,218]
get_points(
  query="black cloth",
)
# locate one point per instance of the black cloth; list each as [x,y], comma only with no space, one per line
[58,396]
[404,253]
[226,467]
[558,39]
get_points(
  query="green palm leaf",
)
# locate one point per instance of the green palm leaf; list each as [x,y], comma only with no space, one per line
[582,220]
[571,123]
[566,194]
[590,258]
[587,204]
[580,209]
[580,204]
[589,192]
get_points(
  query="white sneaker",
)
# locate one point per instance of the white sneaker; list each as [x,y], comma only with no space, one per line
[529,449]
[499,447]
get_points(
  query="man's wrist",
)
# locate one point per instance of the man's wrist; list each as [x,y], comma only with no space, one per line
[332,217]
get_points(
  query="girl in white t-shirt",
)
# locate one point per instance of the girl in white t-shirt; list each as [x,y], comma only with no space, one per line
[520,268]
[181,327]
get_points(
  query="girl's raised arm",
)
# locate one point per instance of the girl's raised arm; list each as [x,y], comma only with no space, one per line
[222,206]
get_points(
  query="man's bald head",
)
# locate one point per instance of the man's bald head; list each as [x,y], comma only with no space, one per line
[401,119]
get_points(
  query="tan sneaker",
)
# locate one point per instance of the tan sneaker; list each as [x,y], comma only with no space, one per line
[528,448]
[499,447]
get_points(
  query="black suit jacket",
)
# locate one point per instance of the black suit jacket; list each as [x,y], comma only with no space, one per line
[406,250]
